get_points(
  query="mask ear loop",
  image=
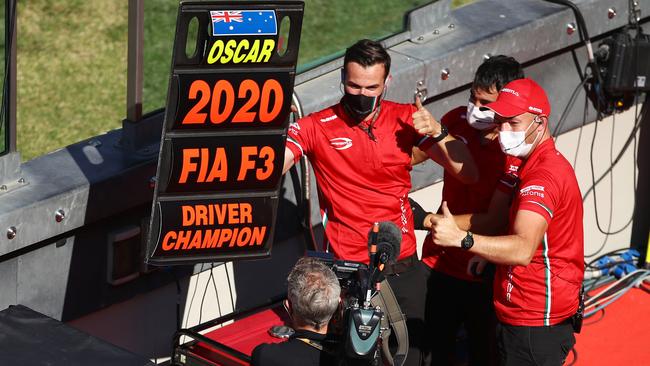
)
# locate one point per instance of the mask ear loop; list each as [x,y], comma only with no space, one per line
[383,93]
[285,304]
[538,119]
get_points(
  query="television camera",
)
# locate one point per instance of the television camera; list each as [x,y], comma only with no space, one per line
[358,329]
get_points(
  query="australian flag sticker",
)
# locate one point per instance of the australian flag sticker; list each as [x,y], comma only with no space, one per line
[243,22]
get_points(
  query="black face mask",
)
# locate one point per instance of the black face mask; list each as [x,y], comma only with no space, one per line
[359,106]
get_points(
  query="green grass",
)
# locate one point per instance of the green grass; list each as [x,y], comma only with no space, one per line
[71,71]
[72,59]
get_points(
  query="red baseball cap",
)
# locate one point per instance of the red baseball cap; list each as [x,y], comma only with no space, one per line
[521,96]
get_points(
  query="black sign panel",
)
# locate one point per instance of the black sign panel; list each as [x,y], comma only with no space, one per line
[243,36]
[233,100]
[208,227]
[228,107]
[224,164]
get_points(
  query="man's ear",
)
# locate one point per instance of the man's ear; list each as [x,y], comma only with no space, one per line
[542,120]
[388,80]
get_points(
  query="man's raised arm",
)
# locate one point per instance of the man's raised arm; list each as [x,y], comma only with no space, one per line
[450,153]
[517,248]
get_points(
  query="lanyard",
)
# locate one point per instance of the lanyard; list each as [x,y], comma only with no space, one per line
[309,342]
[369,128]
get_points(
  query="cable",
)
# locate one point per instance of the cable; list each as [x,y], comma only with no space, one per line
[595,182]
[214,283]
[575,356]
[582,27]
[611,182]
[615,251]
[572,101]
[189,308]
[602,306]
[612,292]
[232,298]
[602,311]
[205,291]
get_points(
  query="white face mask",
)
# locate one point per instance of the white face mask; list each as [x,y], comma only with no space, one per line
[514,142]
[480,120]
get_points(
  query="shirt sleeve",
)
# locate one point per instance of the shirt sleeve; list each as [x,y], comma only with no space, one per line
[539,194]
[300,137]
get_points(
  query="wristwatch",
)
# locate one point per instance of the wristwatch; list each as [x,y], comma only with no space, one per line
[443,133]
[468,241]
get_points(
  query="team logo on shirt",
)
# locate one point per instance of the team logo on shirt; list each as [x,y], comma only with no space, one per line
[294,128]
[341,143]
[509,285]
[533,190]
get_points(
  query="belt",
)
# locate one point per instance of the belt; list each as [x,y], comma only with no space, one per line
[401,266]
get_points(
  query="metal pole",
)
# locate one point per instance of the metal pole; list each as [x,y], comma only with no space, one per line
[10,37]
[641,225]
[135,61]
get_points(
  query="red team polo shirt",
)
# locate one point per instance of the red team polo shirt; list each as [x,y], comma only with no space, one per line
[545,292]
[468,198]
[360,181]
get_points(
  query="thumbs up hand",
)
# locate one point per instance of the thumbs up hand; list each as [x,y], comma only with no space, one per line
[444,230]
[423,121]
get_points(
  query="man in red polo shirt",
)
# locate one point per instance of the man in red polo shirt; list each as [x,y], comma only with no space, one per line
[453,289]
[541,262]
[360,150]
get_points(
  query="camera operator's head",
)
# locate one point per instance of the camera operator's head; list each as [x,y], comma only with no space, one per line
[313,295]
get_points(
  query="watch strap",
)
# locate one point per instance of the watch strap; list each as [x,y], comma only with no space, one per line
[443,133]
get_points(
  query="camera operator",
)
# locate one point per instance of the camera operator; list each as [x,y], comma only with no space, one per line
[313,295]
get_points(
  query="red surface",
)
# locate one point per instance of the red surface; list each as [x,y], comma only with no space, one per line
[620,337]
[245,334]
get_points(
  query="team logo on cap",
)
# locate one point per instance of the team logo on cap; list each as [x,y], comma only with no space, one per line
[341,143]
[327,119]
[508,90]
[534,109]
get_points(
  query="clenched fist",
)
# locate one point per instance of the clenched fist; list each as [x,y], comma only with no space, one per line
[424,122]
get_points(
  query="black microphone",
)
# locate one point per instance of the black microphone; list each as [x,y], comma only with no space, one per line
[388,241]
[602,53]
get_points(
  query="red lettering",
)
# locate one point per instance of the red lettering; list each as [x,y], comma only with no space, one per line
[258,235]
[188,165]
[168,243]
[195,116]
[188,215]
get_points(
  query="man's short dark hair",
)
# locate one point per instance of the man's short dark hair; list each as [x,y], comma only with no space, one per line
[497,71]
[367,53]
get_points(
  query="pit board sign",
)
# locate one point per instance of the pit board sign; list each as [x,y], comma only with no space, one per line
[222,149]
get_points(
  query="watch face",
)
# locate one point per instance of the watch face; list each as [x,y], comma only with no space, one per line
[281,331]
[467,242]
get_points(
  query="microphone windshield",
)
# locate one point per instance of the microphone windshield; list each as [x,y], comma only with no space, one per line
[389,239]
